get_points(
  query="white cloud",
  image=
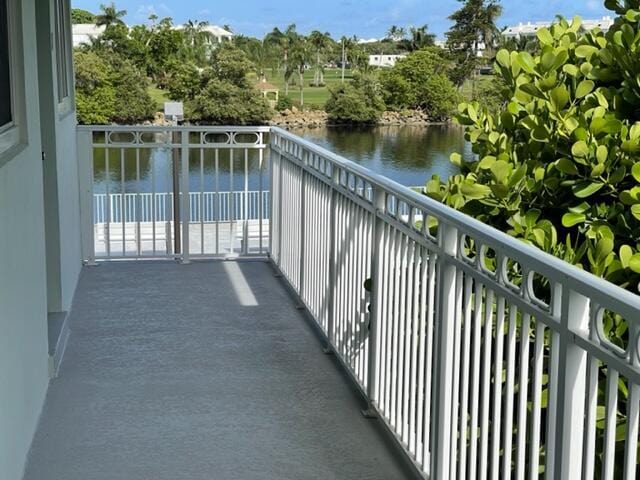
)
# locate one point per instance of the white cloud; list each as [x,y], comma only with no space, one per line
[146,10]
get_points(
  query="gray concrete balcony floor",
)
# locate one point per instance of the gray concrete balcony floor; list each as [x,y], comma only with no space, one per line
[200,371]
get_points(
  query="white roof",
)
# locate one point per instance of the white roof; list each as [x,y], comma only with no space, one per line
[530,28]
[214,30]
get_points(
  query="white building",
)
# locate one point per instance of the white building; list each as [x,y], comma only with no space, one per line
[83,33]
[217,34]
[384,60]
[529,29]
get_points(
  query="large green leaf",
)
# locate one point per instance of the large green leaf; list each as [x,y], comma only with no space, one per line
[635,171]
[580,149]
[545,37]
[586,189]
[584,88]
[586,51]
[560,97]
[573,219]
[526,62]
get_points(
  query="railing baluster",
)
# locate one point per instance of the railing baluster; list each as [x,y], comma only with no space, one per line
[185,206]
[572,384]
[446,284]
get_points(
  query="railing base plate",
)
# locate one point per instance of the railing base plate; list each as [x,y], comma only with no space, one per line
[369,413]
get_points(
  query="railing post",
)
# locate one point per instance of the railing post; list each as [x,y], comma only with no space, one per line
[379,204]
[280,209]
[335,180]
[565,460]
[185,205]
[303,223]
[445,328]
[84,145]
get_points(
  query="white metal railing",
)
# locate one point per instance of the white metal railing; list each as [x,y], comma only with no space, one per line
[129,176]
[207,207]
[440,319]
[477,371]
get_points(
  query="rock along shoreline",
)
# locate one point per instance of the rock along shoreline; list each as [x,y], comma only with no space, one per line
[316,118]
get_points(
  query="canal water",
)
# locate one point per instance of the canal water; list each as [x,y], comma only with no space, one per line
[410,155]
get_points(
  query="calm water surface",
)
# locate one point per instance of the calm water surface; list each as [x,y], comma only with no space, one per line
[409,155]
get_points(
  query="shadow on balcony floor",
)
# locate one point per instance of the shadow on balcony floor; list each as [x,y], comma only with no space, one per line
[201,371]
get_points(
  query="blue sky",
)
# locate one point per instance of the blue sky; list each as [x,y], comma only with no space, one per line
[366,19]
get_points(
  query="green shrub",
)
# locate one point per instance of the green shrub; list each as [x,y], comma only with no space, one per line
[420,81]
[284,103]
[354,103]
[109,89]
[559,167]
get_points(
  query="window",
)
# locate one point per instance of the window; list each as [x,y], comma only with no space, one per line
[63,50]
[12,99]
[6,99]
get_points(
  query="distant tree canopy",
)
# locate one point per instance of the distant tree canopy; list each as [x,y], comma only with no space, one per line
[221,94]
[109,89]
[420,81]
[79,15]
[358,101]
[474,23]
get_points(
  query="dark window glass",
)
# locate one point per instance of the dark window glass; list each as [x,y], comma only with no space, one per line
[5,76]
[62,53]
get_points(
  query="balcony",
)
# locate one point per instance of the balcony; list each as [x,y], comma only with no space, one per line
[200,371]
[191,366]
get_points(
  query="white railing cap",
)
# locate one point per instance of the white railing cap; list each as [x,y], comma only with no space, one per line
[605,293]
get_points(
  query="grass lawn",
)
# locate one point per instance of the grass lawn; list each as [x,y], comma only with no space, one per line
[313,96]
[158,96]
[467,87]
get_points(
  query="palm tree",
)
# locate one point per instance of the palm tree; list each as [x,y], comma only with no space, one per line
[321,42]
[197,40]
[110,15]
[396,34]
[300,55]
[487,25]
[283,42]
[419,37]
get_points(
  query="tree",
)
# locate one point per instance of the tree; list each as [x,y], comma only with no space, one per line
[396,34]
[283,42]
[420,81]
[356,102]
[419,37]
[95,95]
[300,56]
[197,41]
[321,43]
[110,15]
[473,23]
[223,94]
[79,15]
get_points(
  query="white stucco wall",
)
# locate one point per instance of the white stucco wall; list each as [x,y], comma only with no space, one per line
[23,306]
[69,208]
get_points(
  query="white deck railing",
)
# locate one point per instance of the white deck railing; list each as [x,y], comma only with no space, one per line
[128,206]
[477,373]
[486,358]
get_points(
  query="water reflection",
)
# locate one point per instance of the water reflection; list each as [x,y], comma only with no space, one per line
[409,155]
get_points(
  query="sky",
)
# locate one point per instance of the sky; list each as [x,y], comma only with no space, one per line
[365,19]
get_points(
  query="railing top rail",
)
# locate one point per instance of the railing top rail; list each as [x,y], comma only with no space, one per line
[172,128]
[603,292]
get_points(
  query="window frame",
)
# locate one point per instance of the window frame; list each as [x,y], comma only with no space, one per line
[13,135]
[63,56]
